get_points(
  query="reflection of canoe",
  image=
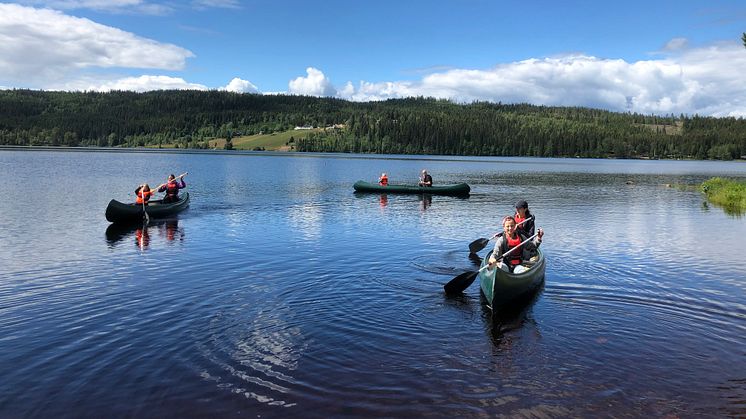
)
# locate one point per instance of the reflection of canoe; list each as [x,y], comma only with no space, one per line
[118,212]
[460,189]
[116,232]
[502,288]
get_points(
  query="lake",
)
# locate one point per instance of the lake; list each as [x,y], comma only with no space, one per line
[281,293]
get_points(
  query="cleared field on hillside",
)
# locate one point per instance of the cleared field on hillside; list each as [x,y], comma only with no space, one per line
[277,141]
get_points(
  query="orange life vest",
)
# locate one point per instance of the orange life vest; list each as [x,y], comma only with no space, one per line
[143,196]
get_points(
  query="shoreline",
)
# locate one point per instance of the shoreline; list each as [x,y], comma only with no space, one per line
[431,157]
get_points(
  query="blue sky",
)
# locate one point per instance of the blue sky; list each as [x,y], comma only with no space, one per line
[657,57]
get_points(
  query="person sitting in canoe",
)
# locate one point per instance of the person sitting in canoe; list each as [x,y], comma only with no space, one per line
[143,194]
[172,188]
[522,213]
[511,238]
[425,179]
[383,180]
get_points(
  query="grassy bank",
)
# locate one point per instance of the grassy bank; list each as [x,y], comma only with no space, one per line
[729,194]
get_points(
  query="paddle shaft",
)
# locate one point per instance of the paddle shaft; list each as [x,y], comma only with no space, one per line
[479,244]
[144,211]
[462,281]
[508,252]
[177,177]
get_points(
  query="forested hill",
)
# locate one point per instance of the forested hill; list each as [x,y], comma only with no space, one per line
[408,126]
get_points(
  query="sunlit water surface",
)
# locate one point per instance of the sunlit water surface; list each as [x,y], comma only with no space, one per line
[280,292]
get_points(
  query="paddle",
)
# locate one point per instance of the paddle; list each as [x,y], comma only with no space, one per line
[142,197]
[480,244]
[177,177]
[462,281]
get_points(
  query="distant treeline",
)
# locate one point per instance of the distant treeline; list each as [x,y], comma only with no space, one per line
[189,119]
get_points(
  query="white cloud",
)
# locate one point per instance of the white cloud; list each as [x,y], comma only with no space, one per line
[47,49]
[226,4]
[676,44]
[238,85]
[706,81]
[143,83]
[112,6]
[316,84]
[41,45]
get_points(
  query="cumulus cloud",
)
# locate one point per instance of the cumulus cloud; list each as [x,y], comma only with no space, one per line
[42,45]
[47,49]
[315,84]
[705,81]
[238,85]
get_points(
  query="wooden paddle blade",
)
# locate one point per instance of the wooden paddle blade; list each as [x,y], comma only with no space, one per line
[478,245]
[460,283]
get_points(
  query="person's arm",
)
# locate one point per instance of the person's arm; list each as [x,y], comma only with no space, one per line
[497,252]
[183,184]
[162,188]
[537,240]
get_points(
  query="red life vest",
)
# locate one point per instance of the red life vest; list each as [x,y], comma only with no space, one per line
[383,181]
[526,228]
[515,257]
[172,188]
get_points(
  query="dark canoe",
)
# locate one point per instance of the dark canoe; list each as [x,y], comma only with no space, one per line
[502,288]
[118,212]
[460,189]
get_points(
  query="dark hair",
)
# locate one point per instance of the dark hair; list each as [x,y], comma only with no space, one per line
[521,204]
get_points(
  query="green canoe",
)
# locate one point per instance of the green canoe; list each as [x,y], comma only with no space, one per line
[119,212]
[502,288]
[460,189]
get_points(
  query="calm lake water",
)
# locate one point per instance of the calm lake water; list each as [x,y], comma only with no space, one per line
[280,292]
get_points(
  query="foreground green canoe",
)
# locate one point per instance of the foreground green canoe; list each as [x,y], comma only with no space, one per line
[460,189]
[118,212]
[502,288]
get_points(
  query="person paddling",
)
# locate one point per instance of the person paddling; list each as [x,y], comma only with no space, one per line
[172,188]
[522,213]
[383,180]
[143,194]
[425,179]
[508,241]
